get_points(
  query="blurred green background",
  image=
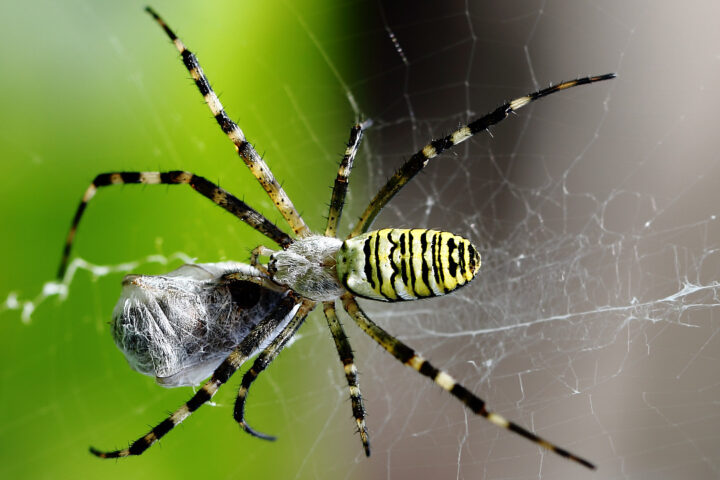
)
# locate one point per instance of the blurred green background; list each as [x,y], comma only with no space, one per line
[90,87]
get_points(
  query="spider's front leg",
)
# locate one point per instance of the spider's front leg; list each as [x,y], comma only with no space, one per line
[199,184]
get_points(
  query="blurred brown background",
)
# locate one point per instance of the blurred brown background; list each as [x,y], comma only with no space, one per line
[594,318]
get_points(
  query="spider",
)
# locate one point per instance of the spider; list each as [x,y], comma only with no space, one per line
[258,308]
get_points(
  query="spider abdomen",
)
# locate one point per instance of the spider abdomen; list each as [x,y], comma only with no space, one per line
[396,264]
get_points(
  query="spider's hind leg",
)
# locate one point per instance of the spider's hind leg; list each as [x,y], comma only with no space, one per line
[477,405]
[418,161]
[245,150]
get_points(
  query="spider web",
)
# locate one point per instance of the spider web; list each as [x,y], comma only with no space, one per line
[592,321]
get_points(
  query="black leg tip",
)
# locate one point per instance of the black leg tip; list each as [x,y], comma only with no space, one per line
[607,76]
[96,452]
[257,434]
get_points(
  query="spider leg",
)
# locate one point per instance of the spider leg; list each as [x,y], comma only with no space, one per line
[337,200]
[219,196]
[247,152]
[260,333]
[258,277]
[262,362]
[408,356]
[417,162]
[346,357]
[255,254]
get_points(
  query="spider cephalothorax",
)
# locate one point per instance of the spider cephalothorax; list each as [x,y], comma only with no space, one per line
[219,315]
[308,266]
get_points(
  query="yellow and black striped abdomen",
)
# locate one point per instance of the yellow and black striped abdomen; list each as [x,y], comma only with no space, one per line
[406,264]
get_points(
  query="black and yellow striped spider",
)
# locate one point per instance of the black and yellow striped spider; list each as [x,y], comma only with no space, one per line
[267,304]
